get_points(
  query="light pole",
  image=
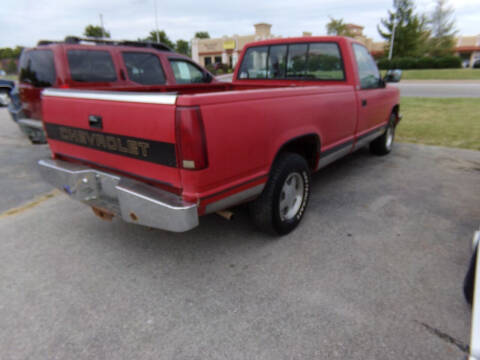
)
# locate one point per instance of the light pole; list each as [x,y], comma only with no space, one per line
[101,24]
[156,21]
[390,52]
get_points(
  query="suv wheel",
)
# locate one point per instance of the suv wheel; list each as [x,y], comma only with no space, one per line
[384,144]
[280,207]
[4,98]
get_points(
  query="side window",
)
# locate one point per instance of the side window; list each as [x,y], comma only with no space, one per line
[367,68]
[324,62]
[254,64]
[277,59]
[297,60]
[37,68]
[186,73]
[144,68]
[91,66]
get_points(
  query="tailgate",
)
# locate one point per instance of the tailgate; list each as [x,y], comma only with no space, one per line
[133,133]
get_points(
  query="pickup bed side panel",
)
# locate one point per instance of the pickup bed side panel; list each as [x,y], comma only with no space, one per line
[243,137]
[134,138]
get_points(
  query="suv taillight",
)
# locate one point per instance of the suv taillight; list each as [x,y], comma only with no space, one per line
[190,137]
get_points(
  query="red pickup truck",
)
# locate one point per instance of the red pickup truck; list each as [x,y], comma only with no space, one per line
[164,159]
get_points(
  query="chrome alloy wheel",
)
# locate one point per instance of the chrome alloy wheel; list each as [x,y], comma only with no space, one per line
[291,196]
[389,137]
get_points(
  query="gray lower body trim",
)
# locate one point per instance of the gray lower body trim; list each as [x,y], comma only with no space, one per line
[133,201]
[333,156]
[234,199]
[341,150]
[366,139]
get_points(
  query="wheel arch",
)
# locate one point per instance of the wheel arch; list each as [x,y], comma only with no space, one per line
[396,111]
[307,145]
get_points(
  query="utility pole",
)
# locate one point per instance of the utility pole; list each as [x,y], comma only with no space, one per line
[156,21]
[101,25]
[390,52]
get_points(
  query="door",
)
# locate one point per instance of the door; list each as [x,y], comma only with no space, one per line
[373,105]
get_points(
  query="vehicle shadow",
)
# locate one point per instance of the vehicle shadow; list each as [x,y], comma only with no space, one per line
[216,235]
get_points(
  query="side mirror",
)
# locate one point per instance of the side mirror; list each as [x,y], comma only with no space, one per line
[393,76]
[208,77]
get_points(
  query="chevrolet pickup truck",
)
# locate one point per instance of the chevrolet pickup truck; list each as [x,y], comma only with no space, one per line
[164,159]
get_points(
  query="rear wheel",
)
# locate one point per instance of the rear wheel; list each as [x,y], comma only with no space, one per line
[384,144]
[280,207]
[4,98]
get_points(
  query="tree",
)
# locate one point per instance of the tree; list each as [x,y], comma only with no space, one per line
[162,35]
[411,34]
[11,67]
[95,31]
[338,27]
[182,47]
[10,53]
[442,25]
[202,35]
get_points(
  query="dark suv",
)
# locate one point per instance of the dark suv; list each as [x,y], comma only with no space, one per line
[100,65]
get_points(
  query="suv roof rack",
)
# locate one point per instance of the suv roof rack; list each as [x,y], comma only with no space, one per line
[103,41]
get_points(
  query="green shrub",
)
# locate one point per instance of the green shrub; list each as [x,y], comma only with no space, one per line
[426,62]
[406,63]
[449,62]
[383,64]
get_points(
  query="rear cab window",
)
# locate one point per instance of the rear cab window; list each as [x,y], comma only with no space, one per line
[317,61]
[143,68]
[37,68]
[186,73]
[91,66]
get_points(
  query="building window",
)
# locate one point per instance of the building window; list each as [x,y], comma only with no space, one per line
[207,60]
[218,59]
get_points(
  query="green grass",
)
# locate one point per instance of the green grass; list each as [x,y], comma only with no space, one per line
[444,122]
[442,74]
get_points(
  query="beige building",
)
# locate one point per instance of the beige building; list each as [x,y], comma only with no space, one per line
[227,49]
[468,48]
[376,48]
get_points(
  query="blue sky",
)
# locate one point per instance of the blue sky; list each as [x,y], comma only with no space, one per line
[24,22]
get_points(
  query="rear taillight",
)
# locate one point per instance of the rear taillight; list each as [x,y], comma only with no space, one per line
[190,137]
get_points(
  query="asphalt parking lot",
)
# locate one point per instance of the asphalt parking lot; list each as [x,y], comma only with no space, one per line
[374,271]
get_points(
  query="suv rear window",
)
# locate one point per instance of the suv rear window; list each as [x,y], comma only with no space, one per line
[91,66]
[37,68]
[144,68]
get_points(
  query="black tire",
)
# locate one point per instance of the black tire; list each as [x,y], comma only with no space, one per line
[265,210]
[384,144]
[469,281]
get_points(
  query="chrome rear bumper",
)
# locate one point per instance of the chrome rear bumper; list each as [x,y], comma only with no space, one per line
[134,201]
